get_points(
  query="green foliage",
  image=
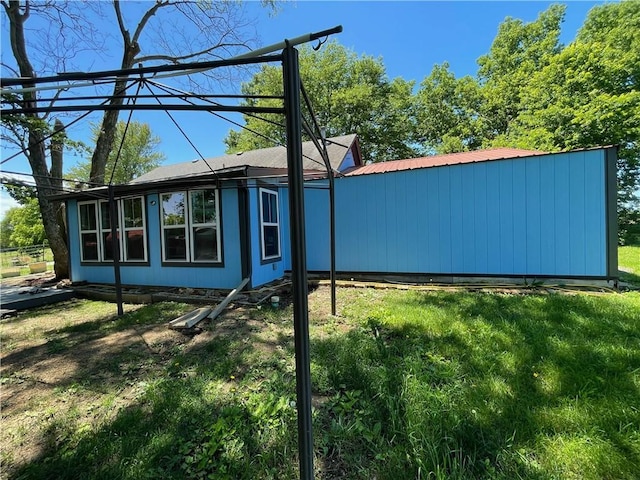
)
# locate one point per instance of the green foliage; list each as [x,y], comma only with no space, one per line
[348,93]
[137,155]
[534,93]
[442,385]
[22,226]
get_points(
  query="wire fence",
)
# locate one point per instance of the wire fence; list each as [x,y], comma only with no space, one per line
[21,260]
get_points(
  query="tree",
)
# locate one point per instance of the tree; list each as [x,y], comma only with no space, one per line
[589,95]
[22,226]
[349,94]
[207,30]
[448,112]
[135,156]
[531,92]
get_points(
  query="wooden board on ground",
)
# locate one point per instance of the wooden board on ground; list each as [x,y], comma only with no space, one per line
[189,320]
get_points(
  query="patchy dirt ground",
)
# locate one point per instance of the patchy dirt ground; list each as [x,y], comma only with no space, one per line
[77,360]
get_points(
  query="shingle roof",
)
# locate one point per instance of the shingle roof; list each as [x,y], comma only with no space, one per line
[274,157]
[446,159]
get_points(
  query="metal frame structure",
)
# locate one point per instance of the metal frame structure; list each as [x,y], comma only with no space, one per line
[294,127]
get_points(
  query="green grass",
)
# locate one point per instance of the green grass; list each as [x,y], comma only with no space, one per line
[629,258]
[449,385]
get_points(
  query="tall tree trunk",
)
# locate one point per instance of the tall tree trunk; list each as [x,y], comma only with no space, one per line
[107,133]
[56,153]
[36,153]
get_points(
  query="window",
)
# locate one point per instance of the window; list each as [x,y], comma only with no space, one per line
[269,224]
[191,227]
[96,240]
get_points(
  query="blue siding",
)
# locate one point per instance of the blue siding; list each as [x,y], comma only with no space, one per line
[541,215]
[155,274]
[262,272]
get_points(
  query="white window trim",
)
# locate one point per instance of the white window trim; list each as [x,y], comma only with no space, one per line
[215,224]
[269,224]
[97,205]
[189,225]
[123,226]
[96,231]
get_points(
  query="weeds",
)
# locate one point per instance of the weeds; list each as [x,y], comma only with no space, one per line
[406,385]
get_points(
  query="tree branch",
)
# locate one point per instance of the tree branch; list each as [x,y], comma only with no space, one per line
[173,59]
[123,29]
[150,13]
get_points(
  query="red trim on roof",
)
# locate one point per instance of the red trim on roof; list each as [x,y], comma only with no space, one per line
[501,153]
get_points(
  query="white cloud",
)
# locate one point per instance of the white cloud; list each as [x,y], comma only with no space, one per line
[6,202]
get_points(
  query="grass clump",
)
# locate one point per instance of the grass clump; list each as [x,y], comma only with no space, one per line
[450,385]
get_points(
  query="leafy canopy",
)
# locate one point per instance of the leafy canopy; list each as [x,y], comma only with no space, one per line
[135,156]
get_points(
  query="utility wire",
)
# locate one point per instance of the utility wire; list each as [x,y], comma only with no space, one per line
[47,137]
[184,134]
[124,134]
[167,88]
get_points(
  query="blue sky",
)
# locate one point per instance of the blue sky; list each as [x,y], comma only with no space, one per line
[409,37]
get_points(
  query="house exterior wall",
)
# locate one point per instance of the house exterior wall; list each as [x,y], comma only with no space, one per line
[265,271]
[155,273]
[535,216]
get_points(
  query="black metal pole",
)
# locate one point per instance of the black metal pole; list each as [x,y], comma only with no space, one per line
[291,80]
[115,249]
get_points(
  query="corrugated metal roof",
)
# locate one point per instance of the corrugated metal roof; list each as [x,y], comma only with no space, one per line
[501,153]
[274,157]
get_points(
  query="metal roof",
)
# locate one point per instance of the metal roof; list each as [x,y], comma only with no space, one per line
[274,157]
[501,153]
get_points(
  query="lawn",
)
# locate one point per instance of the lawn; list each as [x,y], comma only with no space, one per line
[629,262]
[407,384]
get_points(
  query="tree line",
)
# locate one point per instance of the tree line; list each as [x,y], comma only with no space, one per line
[530,91]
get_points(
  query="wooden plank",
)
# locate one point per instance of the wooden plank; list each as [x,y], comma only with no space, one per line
[218,310]
[188,320]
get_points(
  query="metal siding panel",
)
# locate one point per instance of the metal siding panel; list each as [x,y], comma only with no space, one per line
[533,224]
[318,227]
[519,215]
[403,212]
[506,218]
[480,215]
[493,218]
[577,214]
[548,264]
[392,212]
[379,227]
[457,240]
[562,238]
[413,216]
[595,211]
[444,221]
[468,235]
[432,260]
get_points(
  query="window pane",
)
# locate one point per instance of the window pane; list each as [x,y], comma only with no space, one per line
[203,207]
[104,215]
[135,244]
[265,207]
[273,202]
[173,208]
[107,246]
[270,239]
[133,213]
[175,244]
[205,244]
[89,246]
[87,216]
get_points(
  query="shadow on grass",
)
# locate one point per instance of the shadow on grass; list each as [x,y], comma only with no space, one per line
[494,386]
[446,385]
[195,417]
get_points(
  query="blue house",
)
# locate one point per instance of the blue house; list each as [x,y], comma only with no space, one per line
[202,224]
[212,223]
